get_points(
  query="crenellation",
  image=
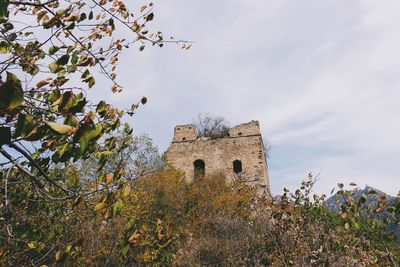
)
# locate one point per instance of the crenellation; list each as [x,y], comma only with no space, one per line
[183,133]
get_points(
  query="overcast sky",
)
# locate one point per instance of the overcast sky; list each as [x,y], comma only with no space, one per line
[322,77]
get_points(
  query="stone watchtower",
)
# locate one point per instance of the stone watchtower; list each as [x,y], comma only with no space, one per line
[240,155]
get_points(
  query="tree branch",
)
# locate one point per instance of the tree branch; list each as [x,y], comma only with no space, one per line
[43,173]
[32,3]
[21,168]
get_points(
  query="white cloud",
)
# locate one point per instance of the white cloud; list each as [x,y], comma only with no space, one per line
[321,77]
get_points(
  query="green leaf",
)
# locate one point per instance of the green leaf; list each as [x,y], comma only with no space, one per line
[3,8]
[54,95]
[8,26]
[79,106]
[53,49]
[11,93]
[125,250]
[101,107]
[5,135]
[71,121]
[82,17]
[4,47]
[105,153]
[87,133]
[91,82]
[68,100]
[37,133]
[61,128]
[63,60]
[85,74]
[74,58]
[24,126]
[117,208]
[91,15]
[64,151]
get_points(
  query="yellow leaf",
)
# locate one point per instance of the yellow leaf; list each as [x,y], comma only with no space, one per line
[127,190]
[42,83]
[143,8]
[99,206]
[31,245]
[109,179]
[61,128]
[58,255]
[106,214]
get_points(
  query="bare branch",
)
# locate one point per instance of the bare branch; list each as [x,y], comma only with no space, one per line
[32,3]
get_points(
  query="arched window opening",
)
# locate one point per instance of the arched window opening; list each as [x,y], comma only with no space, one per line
[199,168]
[237,166]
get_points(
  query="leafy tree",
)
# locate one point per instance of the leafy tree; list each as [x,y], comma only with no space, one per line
[52,53]
[137,156]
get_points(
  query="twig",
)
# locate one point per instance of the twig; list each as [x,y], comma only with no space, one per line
[32,4]
[389,254]
[41,258]
[43,173]
[21,168]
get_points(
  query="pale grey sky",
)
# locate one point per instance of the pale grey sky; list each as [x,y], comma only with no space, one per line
[322,77]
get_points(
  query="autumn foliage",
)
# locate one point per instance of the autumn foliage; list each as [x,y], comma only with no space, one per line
[162,220]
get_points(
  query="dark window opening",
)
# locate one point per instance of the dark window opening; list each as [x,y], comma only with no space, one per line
[199,168]
[184,138]
[240,134]
[237,166]
[178,129]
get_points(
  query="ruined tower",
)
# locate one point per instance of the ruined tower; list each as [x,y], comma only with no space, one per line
[240,155]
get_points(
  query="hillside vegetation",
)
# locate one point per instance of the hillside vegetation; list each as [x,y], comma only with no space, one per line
[162,220]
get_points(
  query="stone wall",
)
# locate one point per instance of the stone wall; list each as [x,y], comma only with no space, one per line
[244,144]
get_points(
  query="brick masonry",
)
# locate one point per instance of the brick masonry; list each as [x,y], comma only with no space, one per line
[243,144]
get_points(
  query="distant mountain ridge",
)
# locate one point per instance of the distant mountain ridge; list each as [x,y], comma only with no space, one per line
[332,204]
